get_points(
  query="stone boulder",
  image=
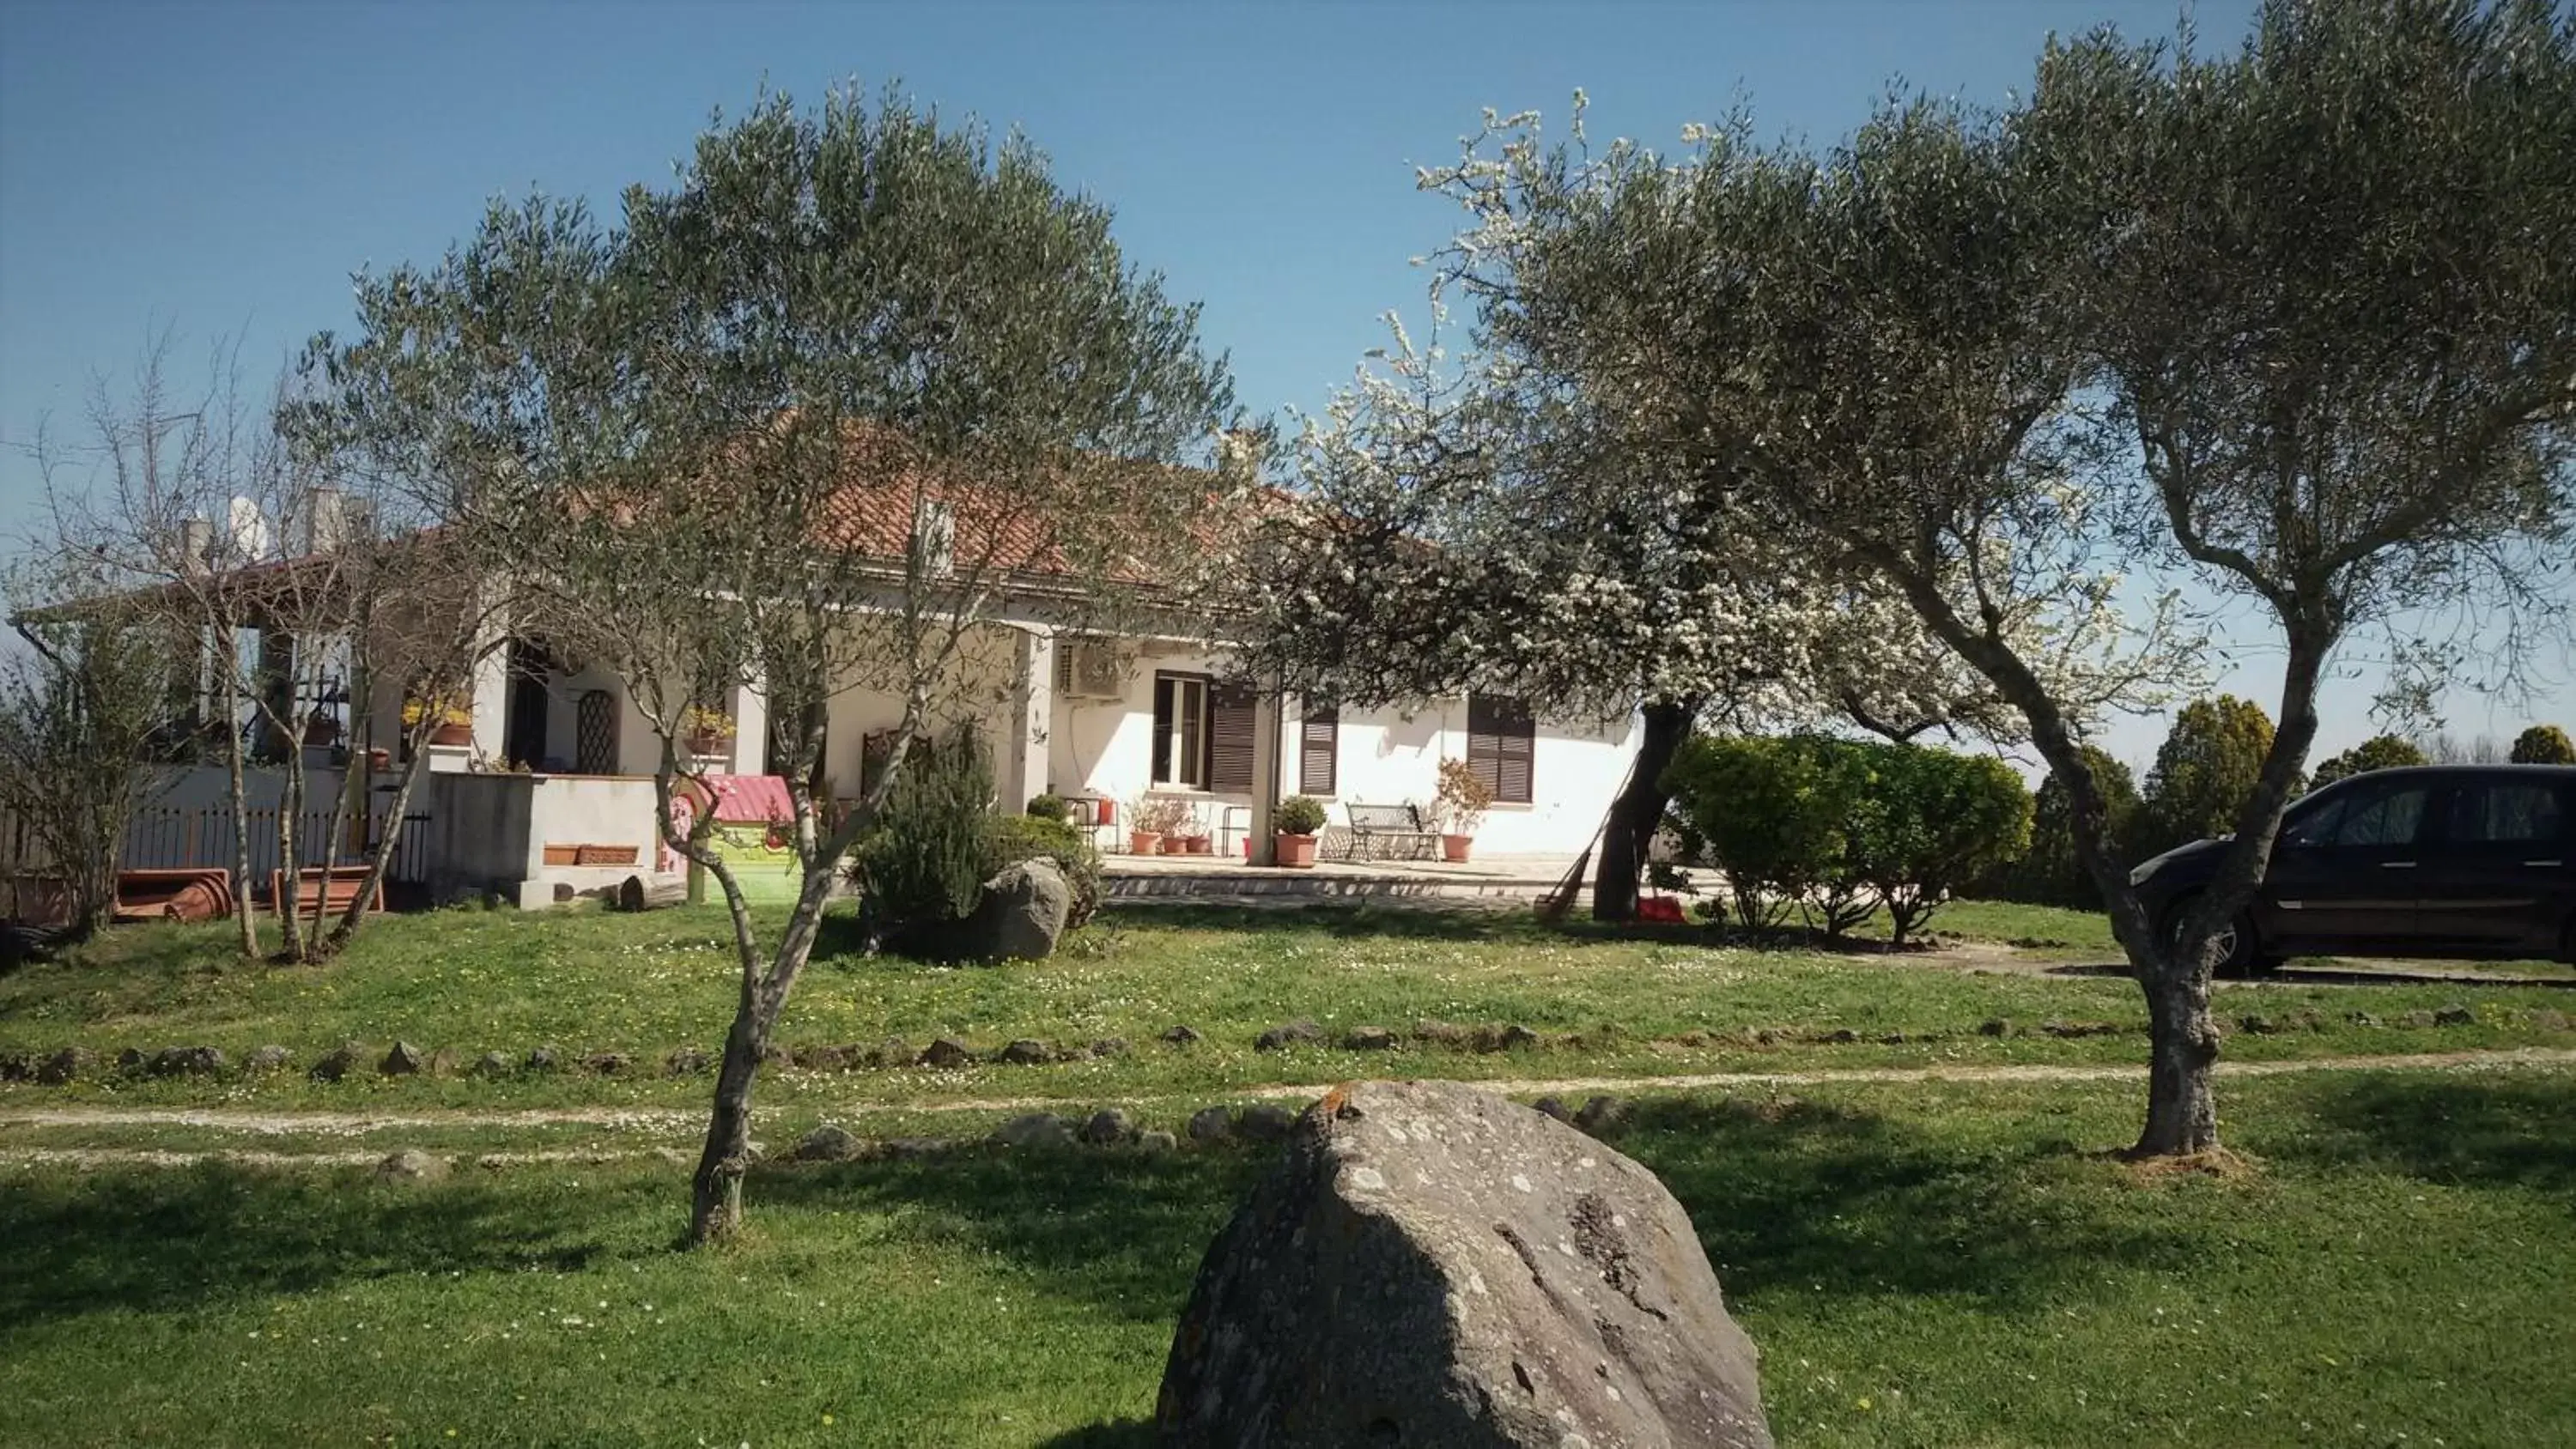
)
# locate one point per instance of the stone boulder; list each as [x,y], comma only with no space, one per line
[1434,1266]
[1020,915]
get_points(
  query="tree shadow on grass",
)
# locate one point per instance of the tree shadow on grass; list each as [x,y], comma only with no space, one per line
[1831,1200]
[1116,1434]
[152,1239]
[2480,1131]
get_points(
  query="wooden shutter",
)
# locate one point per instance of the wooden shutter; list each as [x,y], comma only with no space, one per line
[1230,724]
[1319,738]
[1502,736]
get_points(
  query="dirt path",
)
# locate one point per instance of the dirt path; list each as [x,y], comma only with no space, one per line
[685,1121]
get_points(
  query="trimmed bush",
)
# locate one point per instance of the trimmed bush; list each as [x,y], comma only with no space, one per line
[1046,807]
[1930,822]
[2544,745]
[1298,815]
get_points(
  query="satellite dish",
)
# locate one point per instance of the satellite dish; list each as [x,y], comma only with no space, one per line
[246,530]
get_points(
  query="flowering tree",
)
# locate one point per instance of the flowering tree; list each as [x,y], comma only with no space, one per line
[809,421]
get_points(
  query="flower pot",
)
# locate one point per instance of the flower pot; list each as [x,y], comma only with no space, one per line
[706,744]
[1297,852]
[452,734]
[321,729]
[1198,844]
[1175,845]
[1453,848]
[1144,842]
[380,759]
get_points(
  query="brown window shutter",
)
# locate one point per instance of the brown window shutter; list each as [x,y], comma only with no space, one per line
[1230,726]
[1502,739]
[1319,739]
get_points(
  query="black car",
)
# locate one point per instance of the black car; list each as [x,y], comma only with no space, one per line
[2452,861]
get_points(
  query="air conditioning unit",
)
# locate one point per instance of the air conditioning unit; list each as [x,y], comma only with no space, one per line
[1089,669]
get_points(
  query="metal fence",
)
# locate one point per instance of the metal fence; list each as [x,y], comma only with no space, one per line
[166,836]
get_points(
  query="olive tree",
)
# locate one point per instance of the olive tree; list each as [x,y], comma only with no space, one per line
[2298,322]
[807,421]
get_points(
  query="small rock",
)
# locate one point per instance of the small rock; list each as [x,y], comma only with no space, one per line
[1026,1052]
[946,1052]
[829,1143]
[894,1051]
[411,1165]
[1106,1126]
[1601,1115]
[1290,1034]
[1110,1046]
[492,1064]
[2307,1020]
[1036,1129]
[268,1059]
[403,1061]
[2361,1018]
[338,1062]
[1211,1124]
[130,1060]
[1265,1122]
[1839,1036]
[196,1061]
[1182,1036]
[1552,1108]
[2455,1016]
[1517,1036]
[544,1059]
[17,1067]
[444,1061]
[2548,1018]
[1155,1139]
[2079,1028]
[2256,1024]
[606,1064]
[685,1062]
[62,1066]
[917,1147]
[823,1058]
[1440,1033]
[1369,1039]
[2417,1019]
[775,1057]
[1994,1026]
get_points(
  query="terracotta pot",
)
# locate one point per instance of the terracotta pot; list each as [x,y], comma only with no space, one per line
[1175,845]
[706,744]
[1453,848]
[380,759]
[1198,844]
[1144,842]
[452,734]
[1297,852]
[321,729]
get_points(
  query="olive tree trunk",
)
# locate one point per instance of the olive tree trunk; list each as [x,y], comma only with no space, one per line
[1638,811]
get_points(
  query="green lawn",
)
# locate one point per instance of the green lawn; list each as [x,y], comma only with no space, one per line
[1921,1265]
[1607,1003]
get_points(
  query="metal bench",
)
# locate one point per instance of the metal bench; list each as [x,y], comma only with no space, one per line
[1375,829]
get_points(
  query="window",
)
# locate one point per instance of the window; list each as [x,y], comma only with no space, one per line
[2388,817]
[2500,813]
[1180,730]
[1319,739]
[1501,738]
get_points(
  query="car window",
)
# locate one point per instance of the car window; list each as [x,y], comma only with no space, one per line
[2317,825]
[2501,812]
[2389,817]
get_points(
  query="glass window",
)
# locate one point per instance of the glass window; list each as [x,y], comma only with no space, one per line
[2507,813]
[2389,817]
[1180,730]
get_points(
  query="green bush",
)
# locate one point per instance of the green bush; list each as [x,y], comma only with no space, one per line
[922,864]
[2050,873]
[1298,815]
[2543,745]
[1046,807]
[1837,829]
[2385,752]
[1010,839]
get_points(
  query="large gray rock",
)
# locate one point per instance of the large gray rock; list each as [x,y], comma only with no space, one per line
[1021,913]
[1435,1267]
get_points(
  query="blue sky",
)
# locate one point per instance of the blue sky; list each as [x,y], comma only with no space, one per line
[220,170]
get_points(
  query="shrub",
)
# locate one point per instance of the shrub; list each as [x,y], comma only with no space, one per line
[922,864]
[1769,813]
[1929,822]
[1010,839]
[1046,807]
[2544,745]
[1298,815]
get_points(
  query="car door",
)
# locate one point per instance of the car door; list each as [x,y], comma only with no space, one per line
[2343,878]
[2500,868]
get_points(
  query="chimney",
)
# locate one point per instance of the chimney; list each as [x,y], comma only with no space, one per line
[326,519]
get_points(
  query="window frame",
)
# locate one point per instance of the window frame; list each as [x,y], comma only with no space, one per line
[1171,718]
[1327,718]
[1488,750]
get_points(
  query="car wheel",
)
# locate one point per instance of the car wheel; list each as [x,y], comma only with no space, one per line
[2238,952]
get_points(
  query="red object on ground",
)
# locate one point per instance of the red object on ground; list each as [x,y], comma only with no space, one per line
[1660,910]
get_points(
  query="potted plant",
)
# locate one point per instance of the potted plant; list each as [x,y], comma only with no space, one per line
[1299,819]
[321,728]
[1458,807]
[1190,836]
[454,724]
[1149,820]
[705,730]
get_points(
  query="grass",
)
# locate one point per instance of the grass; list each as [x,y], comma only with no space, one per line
[1641,1005]
[1924,1265]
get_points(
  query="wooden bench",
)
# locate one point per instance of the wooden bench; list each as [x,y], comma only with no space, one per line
[1375,828]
